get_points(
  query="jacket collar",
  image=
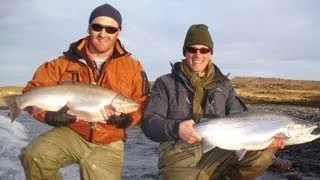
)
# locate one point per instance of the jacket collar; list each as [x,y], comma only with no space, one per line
[177,72]
[77,50]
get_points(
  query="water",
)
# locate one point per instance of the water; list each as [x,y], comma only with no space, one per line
[140,153]
[11,139]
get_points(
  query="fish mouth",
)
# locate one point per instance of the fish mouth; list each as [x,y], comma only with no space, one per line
[316,131]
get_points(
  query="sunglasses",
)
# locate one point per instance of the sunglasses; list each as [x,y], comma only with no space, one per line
[99,27]
[194,50]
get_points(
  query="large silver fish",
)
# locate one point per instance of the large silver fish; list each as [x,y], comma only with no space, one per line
[255,131]
[86,101]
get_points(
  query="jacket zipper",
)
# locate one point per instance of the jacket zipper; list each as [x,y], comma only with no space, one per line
[96,76]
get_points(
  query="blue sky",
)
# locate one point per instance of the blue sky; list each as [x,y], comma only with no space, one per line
[265,38]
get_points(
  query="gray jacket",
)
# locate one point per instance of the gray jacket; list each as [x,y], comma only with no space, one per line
[171,102]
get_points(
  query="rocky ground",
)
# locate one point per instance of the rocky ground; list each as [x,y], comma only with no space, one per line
[296,161]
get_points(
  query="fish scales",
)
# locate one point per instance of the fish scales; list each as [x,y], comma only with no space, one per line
[255,130]
[84,100]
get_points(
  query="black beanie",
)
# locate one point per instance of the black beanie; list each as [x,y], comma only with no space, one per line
[108,11]
[198,34]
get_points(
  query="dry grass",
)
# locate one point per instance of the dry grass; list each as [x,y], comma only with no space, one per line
[278,91]
[8,90]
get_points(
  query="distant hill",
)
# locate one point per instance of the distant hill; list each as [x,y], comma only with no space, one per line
[252,90]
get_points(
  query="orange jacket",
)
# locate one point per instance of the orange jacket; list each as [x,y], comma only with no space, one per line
[122,74]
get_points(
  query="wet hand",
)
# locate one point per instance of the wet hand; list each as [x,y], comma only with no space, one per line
[278,143]
[187,133]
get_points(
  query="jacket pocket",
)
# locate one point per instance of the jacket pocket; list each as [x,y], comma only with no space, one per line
[72,75]
[215,102]
[180,105]
[68,76]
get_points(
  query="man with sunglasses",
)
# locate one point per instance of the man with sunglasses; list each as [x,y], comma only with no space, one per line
[195,89]
[98,59]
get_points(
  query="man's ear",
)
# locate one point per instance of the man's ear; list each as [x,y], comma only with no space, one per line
[88,30]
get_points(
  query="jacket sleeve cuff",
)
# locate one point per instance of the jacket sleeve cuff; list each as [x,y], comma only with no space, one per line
[176,129]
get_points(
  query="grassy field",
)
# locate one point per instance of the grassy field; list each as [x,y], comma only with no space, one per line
[278,91]
[252,90]
[8,90]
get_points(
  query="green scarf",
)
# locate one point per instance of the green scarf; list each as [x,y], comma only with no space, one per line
[199,82]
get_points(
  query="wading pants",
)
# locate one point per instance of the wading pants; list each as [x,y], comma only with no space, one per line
[181,161]
[60,146]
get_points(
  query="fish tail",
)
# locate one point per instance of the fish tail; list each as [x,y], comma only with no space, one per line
[10,102]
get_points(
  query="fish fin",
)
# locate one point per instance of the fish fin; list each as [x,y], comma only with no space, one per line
[240,153]
[10,102]
[81,115]
[206,146]
[33,110]
[81,119]
[94,119]
[103,112]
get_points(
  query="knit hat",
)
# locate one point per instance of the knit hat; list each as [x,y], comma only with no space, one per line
[197,34]
[108,11]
